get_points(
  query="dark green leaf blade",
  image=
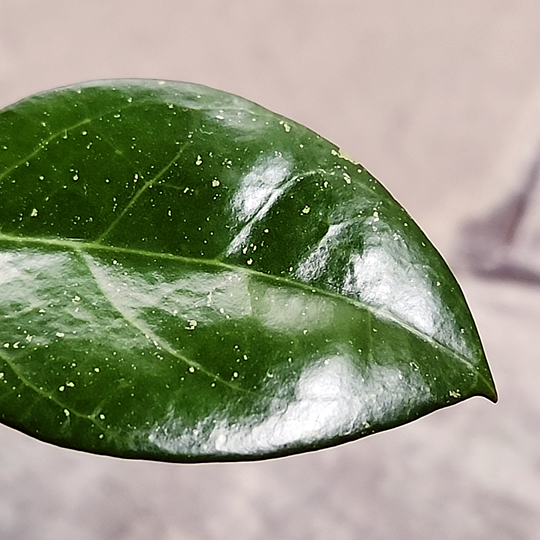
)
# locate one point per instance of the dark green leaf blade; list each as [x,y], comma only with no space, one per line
[187,276]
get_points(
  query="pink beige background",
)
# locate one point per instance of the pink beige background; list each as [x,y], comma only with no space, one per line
[441,101]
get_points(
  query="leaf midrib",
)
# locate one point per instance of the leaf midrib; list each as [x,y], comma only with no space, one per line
[381,314]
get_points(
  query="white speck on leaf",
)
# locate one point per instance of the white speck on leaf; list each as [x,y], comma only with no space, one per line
[192,324]
[286,126]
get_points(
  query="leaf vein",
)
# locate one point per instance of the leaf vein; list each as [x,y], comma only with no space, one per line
[43,144]
[49,395]
[143,329]
[149,183]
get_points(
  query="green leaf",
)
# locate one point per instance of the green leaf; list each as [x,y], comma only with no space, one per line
[187,276]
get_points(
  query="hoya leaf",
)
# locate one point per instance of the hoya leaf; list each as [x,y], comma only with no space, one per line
[186,276]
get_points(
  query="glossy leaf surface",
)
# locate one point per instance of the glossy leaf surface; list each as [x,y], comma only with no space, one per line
[187,276]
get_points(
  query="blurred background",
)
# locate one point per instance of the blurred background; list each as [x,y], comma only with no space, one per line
[441,101]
